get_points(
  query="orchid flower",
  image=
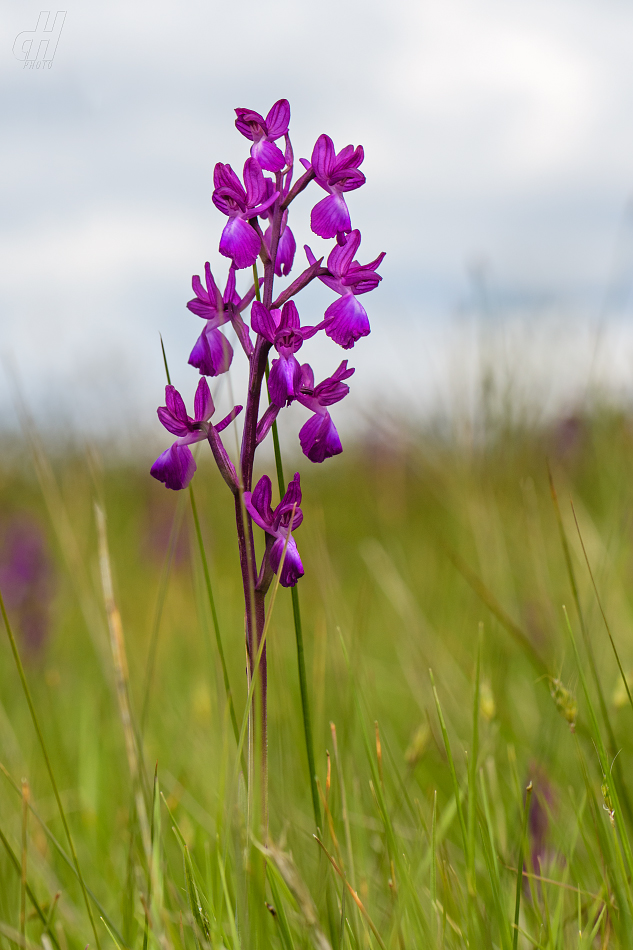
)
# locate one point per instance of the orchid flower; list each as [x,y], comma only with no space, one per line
[264,132]
[239,240]
[335,173]
[282,329]
[345,320]
[318,437]
[277,525]
[212,353]
[176,466]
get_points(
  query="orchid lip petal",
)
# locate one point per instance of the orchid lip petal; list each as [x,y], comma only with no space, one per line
[240,242]
[175,467]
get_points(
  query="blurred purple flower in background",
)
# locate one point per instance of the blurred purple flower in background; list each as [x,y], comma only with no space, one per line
[543,803]
[27,578]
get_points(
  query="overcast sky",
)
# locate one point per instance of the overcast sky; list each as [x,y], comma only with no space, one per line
[498,140]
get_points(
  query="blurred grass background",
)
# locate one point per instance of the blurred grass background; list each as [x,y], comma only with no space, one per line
[408,542]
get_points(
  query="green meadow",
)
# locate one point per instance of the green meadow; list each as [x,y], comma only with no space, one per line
[467,637]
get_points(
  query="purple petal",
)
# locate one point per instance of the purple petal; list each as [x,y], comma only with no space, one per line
[284,380]
[286,250]
[175,404]
[307,376]
[230,295]
[262,497]
[263,321]
[240,242]
[292,568]
[292,496]
[225,177]
[203,309]
[228,419]
[289,316]
[258,503]
[268,155]
[265,423]
[172,424]
[290,502]
[329,216]
[319,438]
[260,209]
[342,256]
[278,119]
[212,353]
[333,389]
[198,289]
[350,159]
[309,255]
[175,467]
[203,407]
[323,157]
[244,119]
[254,182]
[361,280]
[212,290]
[346,321]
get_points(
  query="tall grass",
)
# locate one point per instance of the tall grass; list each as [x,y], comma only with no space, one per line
[421,554]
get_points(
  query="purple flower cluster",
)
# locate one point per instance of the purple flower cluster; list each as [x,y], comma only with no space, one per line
[274,325]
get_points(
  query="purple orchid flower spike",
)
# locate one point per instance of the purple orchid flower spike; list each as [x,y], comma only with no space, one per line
[266,191]
[335,174]
[212,353]
[318,437]
[282,328]
[277,526]
[176,466]
[239,240]
[264,132]
[346,320]
[287,245]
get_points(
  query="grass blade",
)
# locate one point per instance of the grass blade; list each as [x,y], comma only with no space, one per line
[49,768]
[46,920]
[519,888]
[451,765]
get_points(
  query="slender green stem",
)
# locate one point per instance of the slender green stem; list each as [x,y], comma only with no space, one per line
[613,745]
[162,346]
[49,767]
[472,774]
[305,706]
